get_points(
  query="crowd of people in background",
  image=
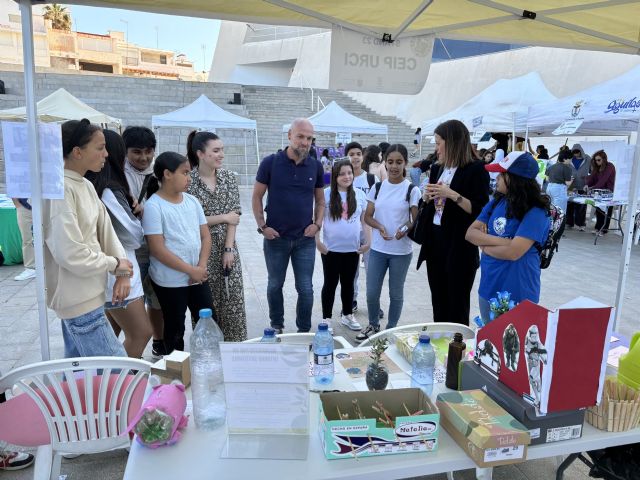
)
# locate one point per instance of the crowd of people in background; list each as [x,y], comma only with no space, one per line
[139,240]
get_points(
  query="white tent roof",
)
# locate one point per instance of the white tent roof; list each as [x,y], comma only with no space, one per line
[493,109]
[58,107]
[203,114]
[334,119]
[611,107]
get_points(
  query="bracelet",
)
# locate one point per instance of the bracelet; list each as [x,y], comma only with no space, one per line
[117,265]
[228,250]
[319,227]
[123,274]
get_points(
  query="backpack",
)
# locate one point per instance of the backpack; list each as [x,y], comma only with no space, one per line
[556,230]
[413,234]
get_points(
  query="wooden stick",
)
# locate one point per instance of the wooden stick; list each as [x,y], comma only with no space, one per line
[353,450]
[424,440]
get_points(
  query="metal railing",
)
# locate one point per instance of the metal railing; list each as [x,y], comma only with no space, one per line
[305,84]
[318,103]
[262,33]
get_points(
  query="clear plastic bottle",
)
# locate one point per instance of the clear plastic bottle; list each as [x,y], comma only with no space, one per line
[323,355]
[207,382]
[423,363]
[269,336]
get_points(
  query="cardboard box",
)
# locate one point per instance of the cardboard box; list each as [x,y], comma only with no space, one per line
[552,427]
[482,428]
[175,366]
[549,357]
[354,437]
[407,341]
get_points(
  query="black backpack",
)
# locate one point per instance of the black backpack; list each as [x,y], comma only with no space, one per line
[371,179]
[556,230]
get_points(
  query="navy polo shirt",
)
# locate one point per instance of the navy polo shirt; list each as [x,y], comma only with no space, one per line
[291,190]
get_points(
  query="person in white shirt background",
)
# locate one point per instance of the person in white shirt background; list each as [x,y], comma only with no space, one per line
[341,243]
[392,207]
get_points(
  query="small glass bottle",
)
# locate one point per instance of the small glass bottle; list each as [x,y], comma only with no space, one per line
[456,351]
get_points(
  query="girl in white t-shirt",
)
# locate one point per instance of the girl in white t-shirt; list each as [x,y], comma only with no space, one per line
[391,210]
[179,243]
[341,244]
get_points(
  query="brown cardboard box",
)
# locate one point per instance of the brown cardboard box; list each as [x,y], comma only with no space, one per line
[482,428]
[175,366]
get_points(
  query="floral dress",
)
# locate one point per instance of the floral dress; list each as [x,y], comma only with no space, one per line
[230,310]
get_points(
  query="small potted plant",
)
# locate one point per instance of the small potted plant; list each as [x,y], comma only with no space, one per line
[377,376]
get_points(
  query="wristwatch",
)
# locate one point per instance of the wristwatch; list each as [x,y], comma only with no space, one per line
[459,199]
[261,229]
[319,227]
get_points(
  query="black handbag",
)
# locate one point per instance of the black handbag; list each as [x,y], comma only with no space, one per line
[418,230]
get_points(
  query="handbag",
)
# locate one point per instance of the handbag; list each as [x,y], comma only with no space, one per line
[418,230]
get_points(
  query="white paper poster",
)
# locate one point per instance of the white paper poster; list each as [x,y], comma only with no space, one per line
[343,138]
[363,63]
[17,164]
[568,127]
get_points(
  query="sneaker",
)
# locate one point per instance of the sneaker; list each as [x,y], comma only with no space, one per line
[350,322]
[278,330]
[380,314]
[27,274]
[328,322]
[582,229]
[367,332]
[157,349]
[15,460]
[354,306]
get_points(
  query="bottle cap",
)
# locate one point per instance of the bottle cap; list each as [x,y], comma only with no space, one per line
[425,338]
[205,313]
[269,332]
[457,337]
[322,327]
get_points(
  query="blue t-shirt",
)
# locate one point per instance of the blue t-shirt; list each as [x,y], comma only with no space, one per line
[291,190]
[519,277]
[179,223]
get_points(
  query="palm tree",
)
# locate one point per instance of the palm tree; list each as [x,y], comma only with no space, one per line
[60,18]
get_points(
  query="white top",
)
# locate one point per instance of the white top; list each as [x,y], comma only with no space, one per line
[445,178]
[360,182]
[343,235]
[179,223]
[135,229]
[392,211]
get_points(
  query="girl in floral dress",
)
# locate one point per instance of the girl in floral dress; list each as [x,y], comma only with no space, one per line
[217,190]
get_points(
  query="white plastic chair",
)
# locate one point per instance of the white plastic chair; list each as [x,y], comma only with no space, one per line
[81,409]
[431,328]
[304,338]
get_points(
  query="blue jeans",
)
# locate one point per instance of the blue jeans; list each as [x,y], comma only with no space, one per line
[90,335]
[485,309]
[415,173]
[379,263]
[302,253]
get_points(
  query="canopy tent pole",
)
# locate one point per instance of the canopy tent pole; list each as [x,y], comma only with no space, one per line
[246,165]
[34,162]
[411,18]
[257,149]
[513,138]
[628,234]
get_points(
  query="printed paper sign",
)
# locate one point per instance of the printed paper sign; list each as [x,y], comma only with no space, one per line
[568,127]
[343,138]
[476,137]
[17,164]
[363,63]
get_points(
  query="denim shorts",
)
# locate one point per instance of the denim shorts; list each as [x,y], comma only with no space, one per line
[111,306]
[90,335]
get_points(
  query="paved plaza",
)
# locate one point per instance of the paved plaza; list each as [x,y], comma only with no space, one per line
[580,268]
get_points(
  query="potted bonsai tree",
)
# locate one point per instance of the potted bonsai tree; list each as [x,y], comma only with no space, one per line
[377,375]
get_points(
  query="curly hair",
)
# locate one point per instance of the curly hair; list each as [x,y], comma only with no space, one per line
[522,195]
[335,202]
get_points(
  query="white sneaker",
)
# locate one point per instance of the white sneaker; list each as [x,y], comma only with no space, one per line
[328,322]
[27,274]
[350,322]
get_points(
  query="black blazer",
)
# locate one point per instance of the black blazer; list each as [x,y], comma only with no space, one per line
[472,182]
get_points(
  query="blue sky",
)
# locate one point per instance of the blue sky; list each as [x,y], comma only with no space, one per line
[180,34]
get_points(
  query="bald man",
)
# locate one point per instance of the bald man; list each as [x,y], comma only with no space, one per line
[295,210]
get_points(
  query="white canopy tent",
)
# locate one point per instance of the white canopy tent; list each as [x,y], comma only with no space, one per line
[609,108]
[501,107]
[203,114]
[335,119]
[585,24]
[59,107]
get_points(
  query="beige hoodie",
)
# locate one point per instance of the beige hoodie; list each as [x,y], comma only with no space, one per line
[80,248]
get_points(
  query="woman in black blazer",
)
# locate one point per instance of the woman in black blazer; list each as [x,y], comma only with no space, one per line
[457,191]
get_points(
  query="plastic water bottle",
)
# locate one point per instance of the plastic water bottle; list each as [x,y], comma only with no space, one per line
[423,363]
[269,336]
[207,382]
[323,355]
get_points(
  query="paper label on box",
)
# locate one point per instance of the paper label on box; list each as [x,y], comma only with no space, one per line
[564,433]
[534,433]
[506,453]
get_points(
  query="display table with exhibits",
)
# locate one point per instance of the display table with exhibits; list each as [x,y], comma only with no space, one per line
[198,454]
